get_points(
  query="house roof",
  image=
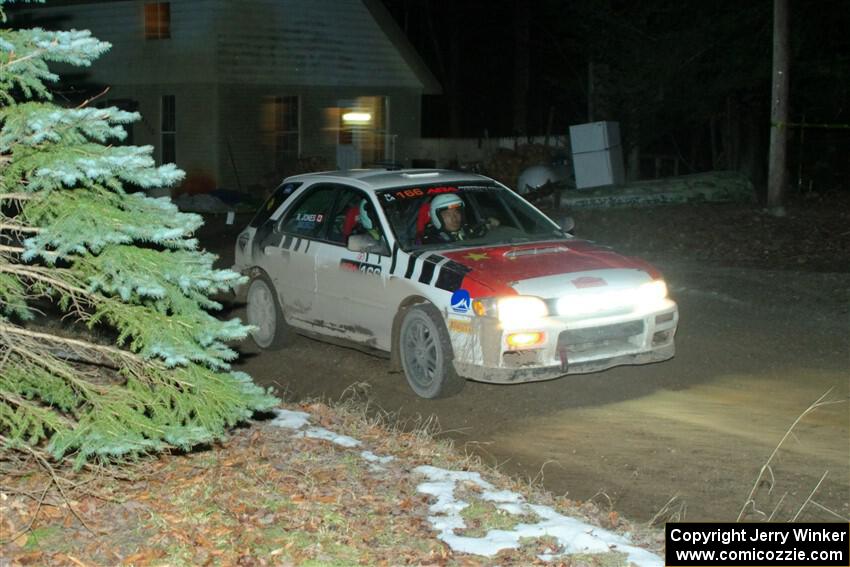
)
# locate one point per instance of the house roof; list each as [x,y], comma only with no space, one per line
[405,48]
[333,43]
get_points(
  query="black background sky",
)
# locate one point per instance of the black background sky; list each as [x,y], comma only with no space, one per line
[681,76]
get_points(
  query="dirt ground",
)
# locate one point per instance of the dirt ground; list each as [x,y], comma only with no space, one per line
[765,315]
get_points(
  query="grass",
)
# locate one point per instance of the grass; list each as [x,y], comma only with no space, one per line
[267,497]
[481,516]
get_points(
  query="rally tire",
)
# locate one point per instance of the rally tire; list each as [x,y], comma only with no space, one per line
[264,313]
[425,350]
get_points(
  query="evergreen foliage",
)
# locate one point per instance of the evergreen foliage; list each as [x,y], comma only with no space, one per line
[146,367]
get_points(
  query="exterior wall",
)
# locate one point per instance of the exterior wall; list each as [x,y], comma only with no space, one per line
[307,42]
[185,57]
[224,57]
[246,158]
[196,129]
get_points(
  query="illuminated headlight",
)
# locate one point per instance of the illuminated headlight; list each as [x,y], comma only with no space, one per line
[651,293]
[645,297]
[513,311]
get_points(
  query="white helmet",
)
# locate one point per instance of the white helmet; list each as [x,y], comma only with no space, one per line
[442,202]
[535,177]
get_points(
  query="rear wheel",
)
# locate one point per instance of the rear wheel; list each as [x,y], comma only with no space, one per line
[426,354]
[264,313]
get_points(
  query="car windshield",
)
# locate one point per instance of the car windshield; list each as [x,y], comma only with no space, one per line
[489,214]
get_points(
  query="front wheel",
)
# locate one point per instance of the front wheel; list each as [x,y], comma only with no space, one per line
[264,313]
[426,354]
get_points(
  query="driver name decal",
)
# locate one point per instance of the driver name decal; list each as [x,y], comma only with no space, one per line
[362,267]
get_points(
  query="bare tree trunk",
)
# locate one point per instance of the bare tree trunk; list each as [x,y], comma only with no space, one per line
[777,182]
[715,151]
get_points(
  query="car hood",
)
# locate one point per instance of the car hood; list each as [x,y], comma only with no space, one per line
[547,269]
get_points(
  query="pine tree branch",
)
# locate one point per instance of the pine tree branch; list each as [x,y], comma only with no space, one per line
[16,196]
[21,402]
[44,275]
[58,370]
[35,54]
[20,228]
[92,353]
[75,294]
[88,101]
[108,353]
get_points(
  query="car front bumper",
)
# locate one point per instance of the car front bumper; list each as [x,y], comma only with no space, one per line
[568,347]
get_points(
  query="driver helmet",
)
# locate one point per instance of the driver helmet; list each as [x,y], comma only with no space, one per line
[442,202]
[367,215]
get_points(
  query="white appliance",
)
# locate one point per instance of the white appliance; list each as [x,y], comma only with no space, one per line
[597,154]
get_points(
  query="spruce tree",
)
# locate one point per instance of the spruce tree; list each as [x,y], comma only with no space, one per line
[145,366]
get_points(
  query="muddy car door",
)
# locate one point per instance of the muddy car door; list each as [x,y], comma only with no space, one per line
[291,263]
[352,265]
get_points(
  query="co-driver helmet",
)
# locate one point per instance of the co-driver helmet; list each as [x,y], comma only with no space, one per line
[367,215]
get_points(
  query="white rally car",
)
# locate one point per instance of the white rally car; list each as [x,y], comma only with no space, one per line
[452,274]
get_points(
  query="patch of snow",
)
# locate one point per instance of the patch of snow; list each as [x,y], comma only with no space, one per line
[505,496]
[327,435]
[573,536]
[290,419]
[373,458]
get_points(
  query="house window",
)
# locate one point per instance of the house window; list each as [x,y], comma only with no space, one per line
[169,129]
[365,123]
[158,20]
[287,140]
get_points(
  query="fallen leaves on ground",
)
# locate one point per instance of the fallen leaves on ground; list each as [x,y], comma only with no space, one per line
[265,497]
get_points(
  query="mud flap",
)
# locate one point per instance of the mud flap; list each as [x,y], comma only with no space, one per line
[562,353]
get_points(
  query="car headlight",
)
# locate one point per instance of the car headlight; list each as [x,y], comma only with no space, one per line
[645,297]
[651,293]
[512,311]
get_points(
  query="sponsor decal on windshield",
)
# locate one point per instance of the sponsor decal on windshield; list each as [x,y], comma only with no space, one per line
[415,193]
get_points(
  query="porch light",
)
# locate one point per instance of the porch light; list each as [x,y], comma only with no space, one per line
[357,117]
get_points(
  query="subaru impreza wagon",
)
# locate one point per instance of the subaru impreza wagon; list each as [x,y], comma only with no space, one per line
[451,274]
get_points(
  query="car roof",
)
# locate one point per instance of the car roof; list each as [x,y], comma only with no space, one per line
[377,179]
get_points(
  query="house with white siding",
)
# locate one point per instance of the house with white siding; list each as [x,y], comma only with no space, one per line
[239,92]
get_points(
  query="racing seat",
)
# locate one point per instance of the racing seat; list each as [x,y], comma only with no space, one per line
[423,217]
[349,222]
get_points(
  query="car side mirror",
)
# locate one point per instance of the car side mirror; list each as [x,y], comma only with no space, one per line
[567,224]
[365,243]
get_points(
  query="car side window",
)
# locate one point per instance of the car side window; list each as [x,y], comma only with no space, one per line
[309,215]
[347,217]
[277,197]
